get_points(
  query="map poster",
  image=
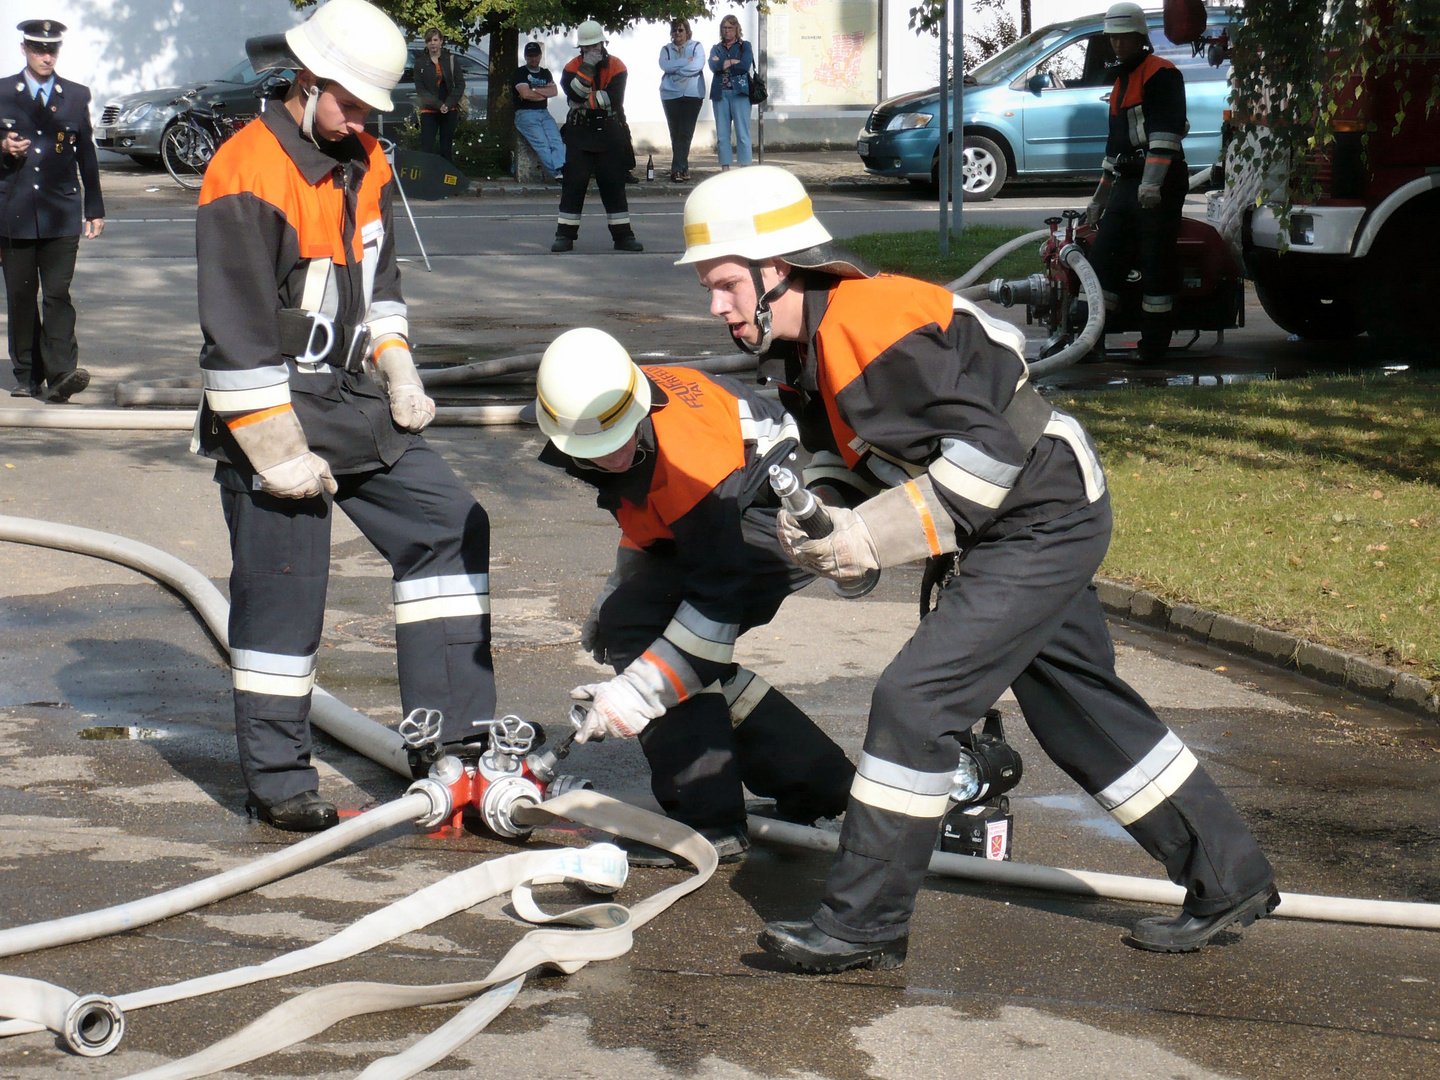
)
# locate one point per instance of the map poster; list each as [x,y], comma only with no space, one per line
[823,52]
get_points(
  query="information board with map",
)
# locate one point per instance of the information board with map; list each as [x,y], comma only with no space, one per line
[823,52]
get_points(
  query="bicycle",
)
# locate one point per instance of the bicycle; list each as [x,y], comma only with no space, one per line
[191,141]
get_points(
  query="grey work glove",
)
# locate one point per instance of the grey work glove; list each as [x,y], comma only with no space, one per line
[845,554]
[629,562]
[900,525]
[1095,209]
[1148,196]
[601,99]
[410,407]
[275,444]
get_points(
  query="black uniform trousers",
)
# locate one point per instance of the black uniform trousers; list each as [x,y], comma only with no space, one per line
[1132,237]
[1020,612]
[435,536]
[41,316]
[600,149]
[702,750]
[437,133]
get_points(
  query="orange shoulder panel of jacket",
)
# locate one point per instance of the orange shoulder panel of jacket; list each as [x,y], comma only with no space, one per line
[251,160]
[379,164]
[1135,87]
[866,316]
[698,444]
[573,66]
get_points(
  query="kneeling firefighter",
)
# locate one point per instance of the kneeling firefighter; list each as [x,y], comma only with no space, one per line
[681,459]
[312,401]
[1142,189]
[597,140]
[917,394]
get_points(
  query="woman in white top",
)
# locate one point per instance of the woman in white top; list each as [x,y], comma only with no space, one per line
[682,91]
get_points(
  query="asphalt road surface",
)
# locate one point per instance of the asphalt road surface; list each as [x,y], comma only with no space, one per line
[118,779]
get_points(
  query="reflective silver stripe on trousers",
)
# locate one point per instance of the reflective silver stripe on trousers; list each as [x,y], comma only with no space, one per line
[1149,783]
[569,219]
[1156,304]
[277,674]
[447,596]
[887,786]
[618,219]
[1068,428]
[695,634]
[743,693]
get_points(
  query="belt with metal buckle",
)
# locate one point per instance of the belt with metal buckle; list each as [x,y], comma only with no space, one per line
[313,339]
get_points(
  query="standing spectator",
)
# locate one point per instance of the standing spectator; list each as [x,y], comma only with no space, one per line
[731,61]
[439,84]
[47,140]
[596,140]
[534,87]
[682,91]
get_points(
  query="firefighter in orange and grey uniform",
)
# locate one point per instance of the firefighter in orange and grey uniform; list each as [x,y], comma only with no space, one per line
[596,140]
[1142,189]
[925,399]
[682,460]
[312,401]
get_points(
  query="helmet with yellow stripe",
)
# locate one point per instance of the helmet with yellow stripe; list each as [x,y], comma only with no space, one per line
[589,395]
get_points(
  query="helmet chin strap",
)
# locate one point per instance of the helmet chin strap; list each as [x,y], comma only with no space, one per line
[307,121]
[763,314]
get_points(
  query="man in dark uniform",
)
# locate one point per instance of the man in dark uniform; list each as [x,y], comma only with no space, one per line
[596,140]
[47,141]
[312,402]
[928,398]
[682,460]
[1142,188]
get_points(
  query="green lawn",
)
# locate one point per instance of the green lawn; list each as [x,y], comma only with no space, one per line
[1310,506]
[918,253]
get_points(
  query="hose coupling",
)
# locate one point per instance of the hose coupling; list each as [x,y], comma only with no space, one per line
[563,785]
[503,797]
[441,804]
[93,1025]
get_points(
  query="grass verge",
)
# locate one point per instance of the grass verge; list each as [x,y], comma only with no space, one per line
[1309,506]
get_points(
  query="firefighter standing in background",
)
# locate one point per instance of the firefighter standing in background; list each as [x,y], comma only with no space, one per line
[46,143]
[928,399]
[312,401]
[1142,189]
[596,140]
[682,459]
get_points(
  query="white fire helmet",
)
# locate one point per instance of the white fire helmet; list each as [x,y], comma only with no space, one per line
[1126,18]
[755,213]
[589,32]
[355,44]
[589,395]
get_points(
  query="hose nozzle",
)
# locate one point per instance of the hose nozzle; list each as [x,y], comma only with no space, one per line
[809,512]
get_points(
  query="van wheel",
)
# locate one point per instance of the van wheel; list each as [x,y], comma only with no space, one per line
[985,169]
[1312,302]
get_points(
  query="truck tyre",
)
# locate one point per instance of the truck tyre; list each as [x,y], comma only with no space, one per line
[1312,302]
[1399,287]
[985,169]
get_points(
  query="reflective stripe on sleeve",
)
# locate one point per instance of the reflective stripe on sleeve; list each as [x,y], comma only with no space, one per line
[765,432]
[1150,782]
[388,317]
[695,634]
[743,693]
[272,673]
[446,596]
[677,680]
[1165,140]
[970,474]
[1068,428]
[887,786]
[246,390]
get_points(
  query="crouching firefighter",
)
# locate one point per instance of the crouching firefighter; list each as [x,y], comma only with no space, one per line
[1141,195]
[312,401]
[924,398]
[681,460]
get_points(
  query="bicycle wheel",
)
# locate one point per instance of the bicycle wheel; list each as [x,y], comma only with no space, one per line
[186,150]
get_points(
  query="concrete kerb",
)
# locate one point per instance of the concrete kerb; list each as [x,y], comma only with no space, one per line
[1359,675]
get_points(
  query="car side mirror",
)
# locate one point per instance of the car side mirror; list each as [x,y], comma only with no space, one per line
[1041,80]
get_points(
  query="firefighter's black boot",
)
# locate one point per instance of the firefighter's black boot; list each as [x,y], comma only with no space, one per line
[805,946]
[1186,932]
[306,812]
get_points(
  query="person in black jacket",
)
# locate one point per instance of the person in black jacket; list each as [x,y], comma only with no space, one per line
[47,141]
[439,84]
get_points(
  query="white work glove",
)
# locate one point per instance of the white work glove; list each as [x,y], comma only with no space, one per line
[621,707]
[847,553]
[1093,210]
[1148,196]
[410,407]
[301,477]
[602,99]
[275,444]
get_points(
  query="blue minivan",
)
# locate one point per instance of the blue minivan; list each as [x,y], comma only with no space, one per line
[1040,107]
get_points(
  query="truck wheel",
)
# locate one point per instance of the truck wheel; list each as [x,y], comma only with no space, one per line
[1399,289]
[1313,306]
[985,169]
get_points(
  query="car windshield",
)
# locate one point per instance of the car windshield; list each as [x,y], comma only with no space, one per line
[240,73]
[1018,57]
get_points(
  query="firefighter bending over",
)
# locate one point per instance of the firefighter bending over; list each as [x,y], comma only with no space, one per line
[312,401]
[1142,189]
[681,460]
[921,397]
